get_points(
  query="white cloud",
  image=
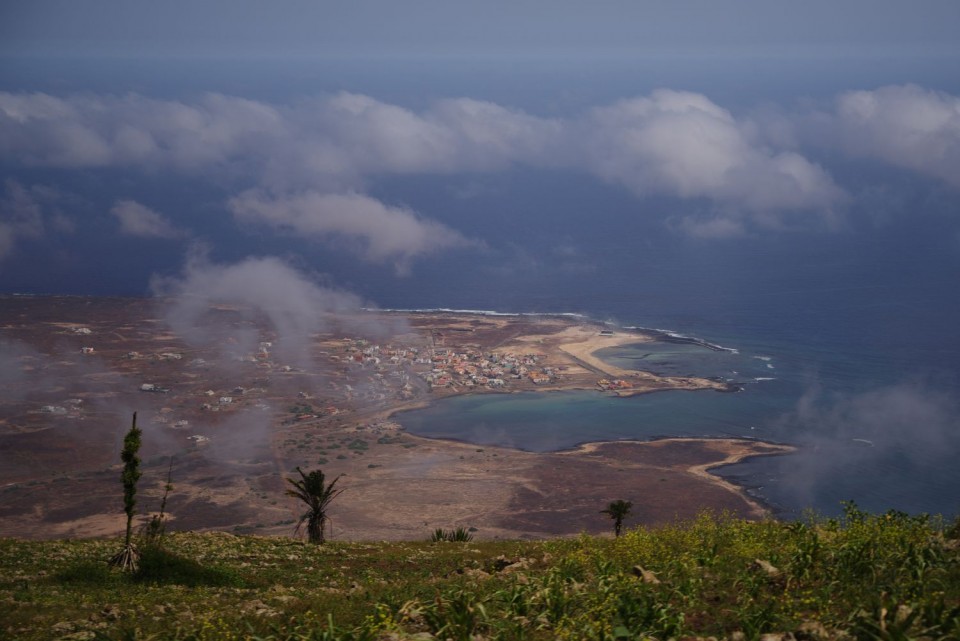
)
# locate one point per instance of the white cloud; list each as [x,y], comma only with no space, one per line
[308,162]
[912,425]
[682,144]
[139,220]
[378,232]
[906,126]
[21,215]
[293,305]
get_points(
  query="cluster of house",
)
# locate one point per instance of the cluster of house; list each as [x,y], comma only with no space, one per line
[262,354]
[154,388]
[223,401]
[363,352]
[302,411]
[441,367]
[162,356]
[73,407]
[614,385]
[389,362]
[472,368]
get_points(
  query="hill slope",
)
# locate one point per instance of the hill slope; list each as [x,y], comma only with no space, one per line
[872,577]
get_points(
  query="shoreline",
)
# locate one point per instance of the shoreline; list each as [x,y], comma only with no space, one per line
[402,484]
[587,340]
[737,450]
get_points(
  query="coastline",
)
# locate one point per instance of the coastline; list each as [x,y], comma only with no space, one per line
[401,484]
[732,450]
[580,342]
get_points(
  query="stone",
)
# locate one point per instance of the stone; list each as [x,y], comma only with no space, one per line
[645,576]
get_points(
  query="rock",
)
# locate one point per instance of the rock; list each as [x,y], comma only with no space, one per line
[738,635]
[903,613]
[474,573]
[519,564]
[811,631]
[767,568]
[645,576]
[110,612]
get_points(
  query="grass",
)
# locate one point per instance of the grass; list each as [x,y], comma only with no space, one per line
[877,577]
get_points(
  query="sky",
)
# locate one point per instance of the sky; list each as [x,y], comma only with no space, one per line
[499,27]
[369,141]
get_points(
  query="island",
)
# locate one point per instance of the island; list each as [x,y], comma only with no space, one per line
[231,407]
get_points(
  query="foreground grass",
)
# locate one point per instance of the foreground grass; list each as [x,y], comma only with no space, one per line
[864,577]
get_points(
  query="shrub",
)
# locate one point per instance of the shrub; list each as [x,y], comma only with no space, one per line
[459,535]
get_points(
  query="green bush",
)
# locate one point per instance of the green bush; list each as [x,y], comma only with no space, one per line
[160,566]
[459,535]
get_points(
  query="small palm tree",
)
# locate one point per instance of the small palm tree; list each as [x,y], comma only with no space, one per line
[618,511]
[313,490]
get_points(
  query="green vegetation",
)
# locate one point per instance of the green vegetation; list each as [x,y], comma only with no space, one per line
[358,444]
[617,511]
[313,490]
[156,527]
[459,535]
[882,578]
[129,556]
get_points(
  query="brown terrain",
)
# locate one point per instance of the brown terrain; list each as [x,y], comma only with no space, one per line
[233,404]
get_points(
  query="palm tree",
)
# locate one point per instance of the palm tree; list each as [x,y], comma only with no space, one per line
[618,511]
[313,490]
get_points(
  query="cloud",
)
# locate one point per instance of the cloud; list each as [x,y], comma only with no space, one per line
[264,293]
[304,166]
[378,232]
[107,131]
[139,220]
[907,428]
[906,126]
[682,144]
[355,133]
[21,214]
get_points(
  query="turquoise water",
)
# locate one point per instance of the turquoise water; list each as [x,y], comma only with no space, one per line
[865,447]
[545,421]
[548,421]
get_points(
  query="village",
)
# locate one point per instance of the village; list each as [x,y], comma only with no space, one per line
[348,374]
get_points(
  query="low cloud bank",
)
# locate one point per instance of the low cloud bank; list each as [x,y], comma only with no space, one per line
[293,306]
[139,220]
[871,441]
[303,167]
[377,232]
